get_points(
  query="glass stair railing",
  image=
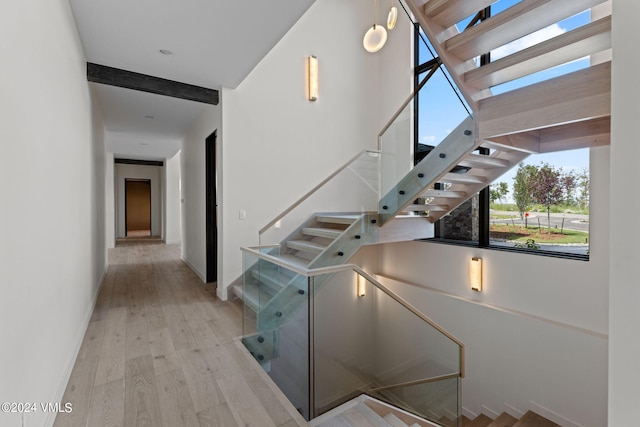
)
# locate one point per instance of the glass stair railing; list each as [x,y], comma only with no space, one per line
[325,227]
[346,335]
[353,189]
[422,130]
[304,320]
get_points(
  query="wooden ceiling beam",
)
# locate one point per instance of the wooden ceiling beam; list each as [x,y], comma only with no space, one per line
[145,83]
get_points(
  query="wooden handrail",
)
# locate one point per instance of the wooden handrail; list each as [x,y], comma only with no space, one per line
[432,70]
[416,382]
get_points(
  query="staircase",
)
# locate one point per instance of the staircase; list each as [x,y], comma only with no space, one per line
[530,419]
[566,112]
[275,293]
[365,411]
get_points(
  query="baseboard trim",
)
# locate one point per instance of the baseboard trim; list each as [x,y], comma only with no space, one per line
[200,275]
[66,375]
[553,416]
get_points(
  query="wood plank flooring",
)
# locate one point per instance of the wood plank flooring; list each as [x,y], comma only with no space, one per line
[161,351]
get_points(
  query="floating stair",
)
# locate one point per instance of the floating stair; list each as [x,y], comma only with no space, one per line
[416,193]
[566,112]
[579,97]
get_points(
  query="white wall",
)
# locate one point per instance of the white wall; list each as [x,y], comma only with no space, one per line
[152,173]
[624,345]
[110,202]
[194,190]
[277,145]
[172,228]
[52,203]
[539,338]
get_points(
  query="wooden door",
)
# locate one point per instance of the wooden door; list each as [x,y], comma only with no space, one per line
[138,207]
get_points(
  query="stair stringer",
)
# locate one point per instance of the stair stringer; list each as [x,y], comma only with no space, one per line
[362,232]
[293,296]
[513,157]
[430,170]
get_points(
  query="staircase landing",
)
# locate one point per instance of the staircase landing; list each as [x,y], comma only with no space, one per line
[365,411]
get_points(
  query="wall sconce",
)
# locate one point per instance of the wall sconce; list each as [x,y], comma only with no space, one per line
[361,286]
[475,274]
[313,77]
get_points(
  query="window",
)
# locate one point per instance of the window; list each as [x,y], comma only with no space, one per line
[540,206]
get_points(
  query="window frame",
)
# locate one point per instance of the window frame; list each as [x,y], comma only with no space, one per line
[484,224]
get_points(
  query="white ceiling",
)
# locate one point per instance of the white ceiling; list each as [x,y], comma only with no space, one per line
[215,44]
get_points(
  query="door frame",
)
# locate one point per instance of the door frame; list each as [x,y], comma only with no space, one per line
[211,214]
[126,224]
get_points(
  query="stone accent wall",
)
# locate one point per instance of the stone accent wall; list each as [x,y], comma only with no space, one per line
[462,223]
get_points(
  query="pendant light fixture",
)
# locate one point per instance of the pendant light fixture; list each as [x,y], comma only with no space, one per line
[376,36]
[392,17]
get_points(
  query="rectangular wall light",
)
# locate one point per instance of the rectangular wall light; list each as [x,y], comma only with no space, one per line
[475,274]
[362,284]
[312,77]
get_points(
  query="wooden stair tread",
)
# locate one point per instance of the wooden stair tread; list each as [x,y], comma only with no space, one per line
[581,95]
[249,295]
[337,219]
[481,161]
[462,178]
[330,233]
[305,246]
[503,420]
[362,415]
[394,421]
[521,19]
[427,207]
[444,193]
[271,279]
[481,421]
[385,409]
[531,419]
[294,261]
[450,12]
[572,45]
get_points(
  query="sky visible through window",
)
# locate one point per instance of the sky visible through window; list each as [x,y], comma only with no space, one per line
[441,110]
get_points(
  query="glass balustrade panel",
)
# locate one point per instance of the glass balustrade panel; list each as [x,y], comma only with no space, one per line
[276,326]
[363,340]
[436,401]
[428,118]
[352,189]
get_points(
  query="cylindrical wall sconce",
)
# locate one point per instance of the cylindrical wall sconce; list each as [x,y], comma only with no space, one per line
[313,77]
[475,274]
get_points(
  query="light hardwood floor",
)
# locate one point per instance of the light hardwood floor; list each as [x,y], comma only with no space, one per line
[162,351]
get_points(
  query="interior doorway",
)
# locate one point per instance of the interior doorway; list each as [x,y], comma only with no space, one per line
[137,207]
[211,208]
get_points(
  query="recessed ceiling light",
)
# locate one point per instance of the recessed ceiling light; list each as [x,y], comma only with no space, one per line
[166,52]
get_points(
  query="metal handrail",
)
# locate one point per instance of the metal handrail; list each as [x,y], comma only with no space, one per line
[313,190]
[312,272]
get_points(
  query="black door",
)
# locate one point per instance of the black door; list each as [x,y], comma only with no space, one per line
[212,208]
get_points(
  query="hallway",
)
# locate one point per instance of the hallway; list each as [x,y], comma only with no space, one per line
[160,351]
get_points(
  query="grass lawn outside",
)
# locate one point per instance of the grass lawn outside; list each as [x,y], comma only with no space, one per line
[519,233]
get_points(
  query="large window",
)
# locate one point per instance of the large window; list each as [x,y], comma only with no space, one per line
[541,205]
